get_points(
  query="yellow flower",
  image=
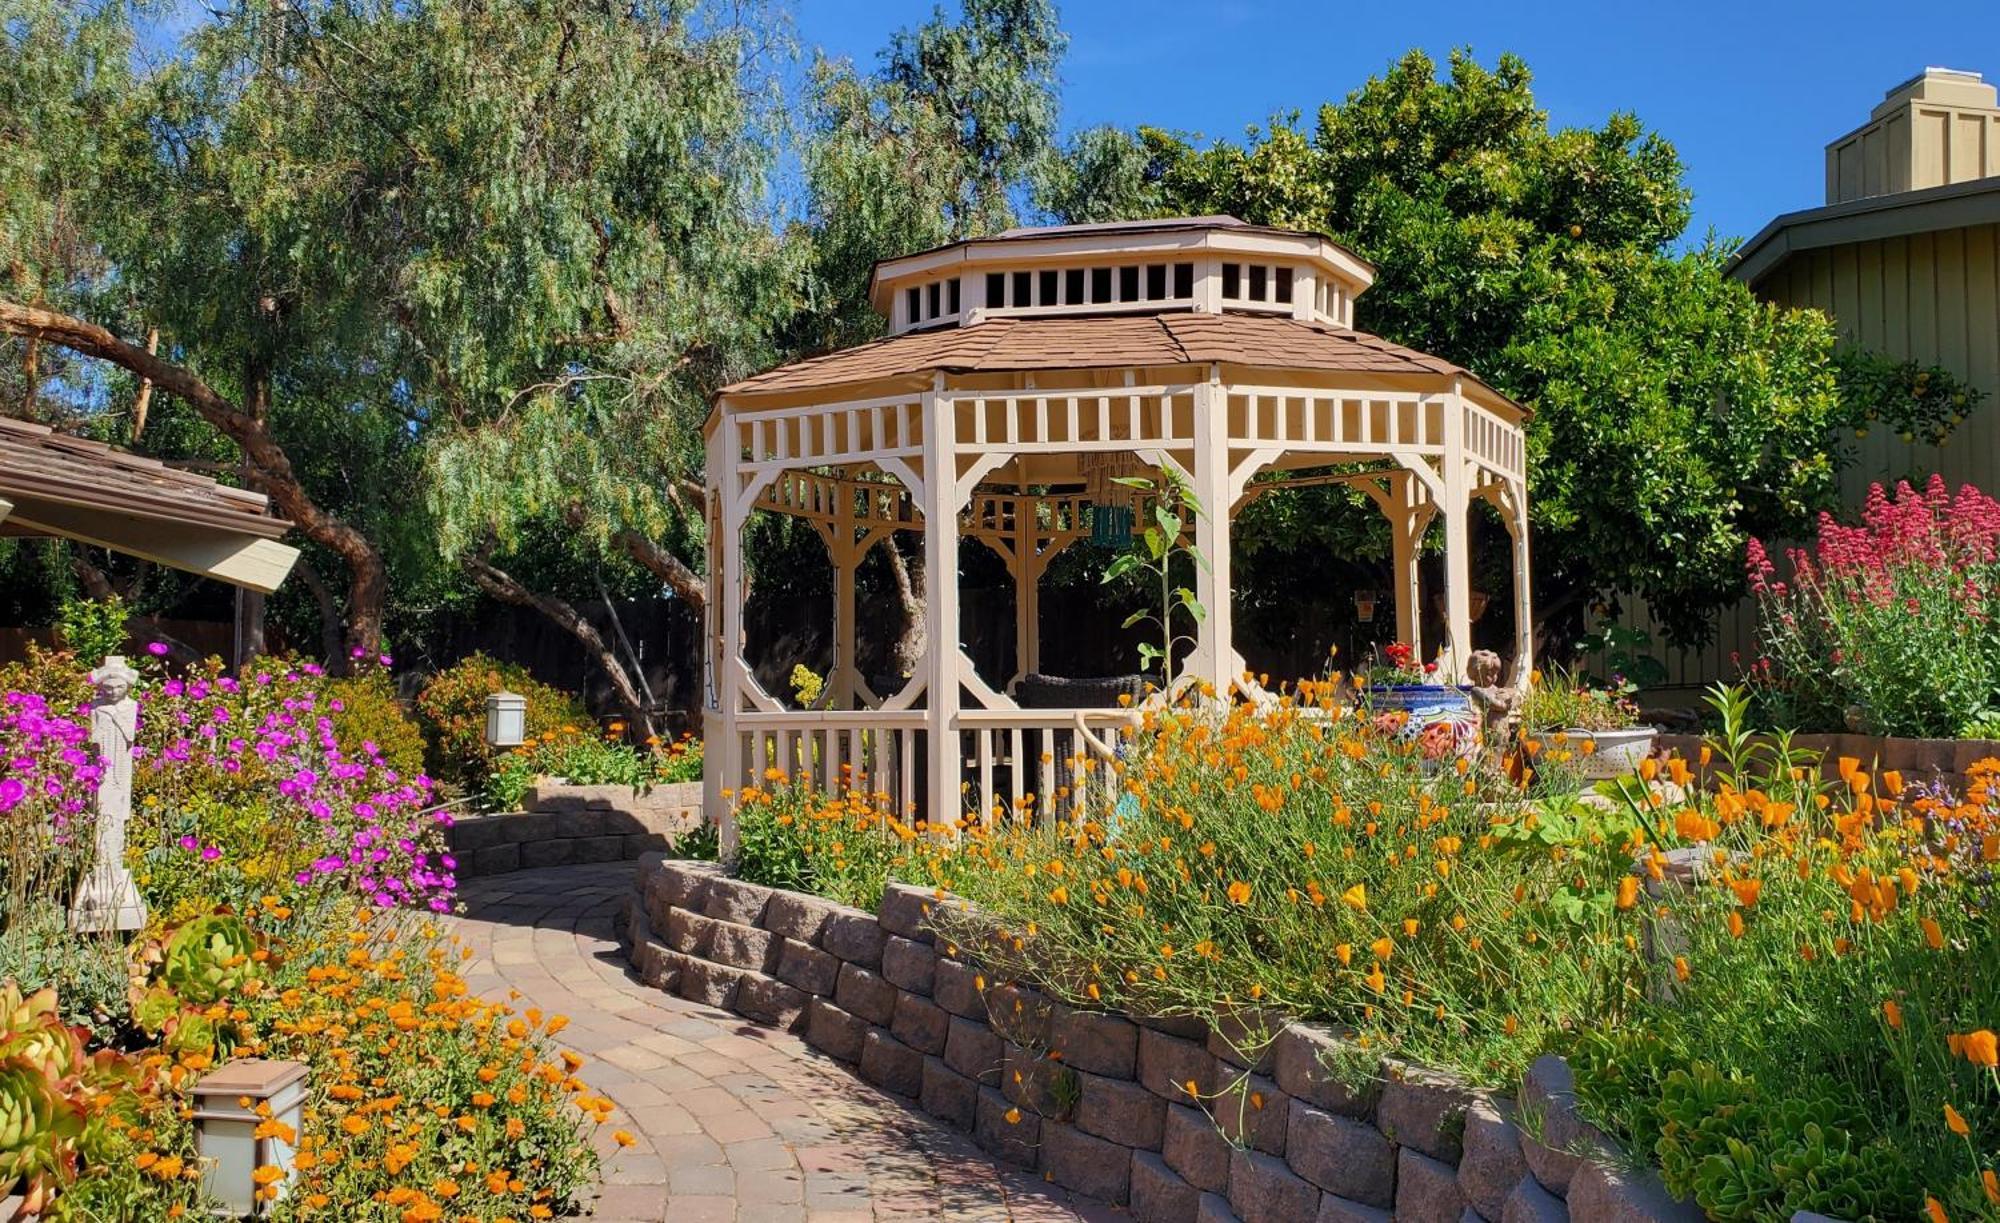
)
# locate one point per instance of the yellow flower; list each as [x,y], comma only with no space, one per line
[1955,1122]
[1892,1013]
[1239,893]
[1933,935]
[623,1138]
[1628,891]
[1356,897]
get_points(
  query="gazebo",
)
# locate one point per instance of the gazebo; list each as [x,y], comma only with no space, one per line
[1021,376]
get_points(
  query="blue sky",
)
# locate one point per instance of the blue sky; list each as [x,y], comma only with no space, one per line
[1749,92]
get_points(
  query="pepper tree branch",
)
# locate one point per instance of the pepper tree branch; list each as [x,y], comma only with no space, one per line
[272,467]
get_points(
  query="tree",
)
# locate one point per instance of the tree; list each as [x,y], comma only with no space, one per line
[934,147]
[503,251]
[1674,414]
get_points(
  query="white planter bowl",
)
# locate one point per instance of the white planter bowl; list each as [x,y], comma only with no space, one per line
[1616,753]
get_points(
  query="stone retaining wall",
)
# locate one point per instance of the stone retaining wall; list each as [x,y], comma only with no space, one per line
[1101,1103]
[1918,760]
[564,824]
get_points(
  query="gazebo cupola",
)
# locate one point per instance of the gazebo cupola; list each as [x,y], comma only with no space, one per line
[1018,371]
[1210,264]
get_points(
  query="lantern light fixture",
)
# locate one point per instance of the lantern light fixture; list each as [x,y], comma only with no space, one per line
[506,719]
[1364,606]
[235,1107]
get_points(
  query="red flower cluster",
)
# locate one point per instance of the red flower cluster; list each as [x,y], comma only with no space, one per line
[1887,624]
[1931,529]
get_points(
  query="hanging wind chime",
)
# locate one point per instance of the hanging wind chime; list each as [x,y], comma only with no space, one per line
[1111,503]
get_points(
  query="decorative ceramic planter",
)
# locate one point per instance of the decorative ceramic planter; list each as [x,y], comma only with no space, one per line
[1616,753]
[1428,705]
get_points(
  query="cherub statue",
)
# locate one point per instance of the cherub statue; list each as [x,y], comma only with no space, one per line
[108,899]
[1499,707]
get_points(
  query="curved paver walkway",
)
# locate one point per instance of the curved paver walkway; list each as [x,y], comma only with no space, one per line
[733,1121]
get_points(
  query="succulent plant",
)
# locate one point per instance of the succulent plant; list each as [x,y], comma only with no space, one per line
[209,959]
[38,1128]
[31,1029]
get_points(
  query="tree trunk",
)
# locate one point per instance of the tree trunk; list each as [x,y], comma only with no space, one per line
[368,584]
[329,614]
[908,652]
[501,585]
[664,565]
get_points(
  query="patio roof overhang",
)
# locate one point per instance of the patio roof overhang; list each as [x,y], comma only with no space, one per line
[56,485]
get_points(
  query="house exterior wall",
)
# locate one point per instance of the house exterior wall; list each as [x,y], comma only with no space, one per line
[1929,297]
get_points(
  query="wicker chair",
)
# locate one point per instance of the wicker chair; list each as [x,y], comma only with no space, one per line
[1065,692]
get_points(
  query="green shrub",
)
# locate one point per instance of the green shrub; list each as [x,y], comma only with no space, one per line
[366,709]
[581,758]
[92,629]
[451,710]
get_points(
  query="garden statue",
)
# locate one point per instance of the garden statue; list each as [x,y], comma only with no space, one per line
[1499,707]
[108,899]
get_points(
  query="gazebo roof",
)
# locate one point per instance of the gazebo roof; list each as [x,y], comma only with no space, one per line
[1183,338]
[56,484]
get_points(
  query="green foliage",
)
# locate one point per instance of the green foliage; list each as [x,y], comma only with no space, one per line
[367,711]
[87,971]
[1559,699]
[928,150]
[582,758]
[1625,654]
[92,629]
[702,843]
[844,847]
[1885,628]
[451,709]
[1914,400]
[1162,546]
[209,959]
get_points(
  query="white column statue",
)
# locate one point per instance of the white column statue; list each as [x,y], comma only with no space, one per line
[108,898]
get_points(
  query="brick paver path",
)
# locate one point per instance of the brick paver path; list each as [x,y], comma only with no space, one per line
[734,1121]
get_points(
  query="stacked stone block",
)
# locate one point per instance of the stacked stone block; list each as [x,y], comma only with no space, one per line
[569,825]
[1259,1121]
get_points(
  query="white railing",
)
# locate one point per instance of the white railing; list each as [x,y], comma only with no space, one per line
[870,751]
[1034,764]
[1021,765]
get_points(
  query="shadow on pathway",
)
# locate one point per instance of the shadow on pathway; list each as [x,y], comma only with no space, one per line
[734,1122]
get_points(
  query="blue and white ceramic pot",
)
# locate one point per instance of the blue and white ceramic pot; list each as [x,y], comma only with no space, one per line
[1428,705]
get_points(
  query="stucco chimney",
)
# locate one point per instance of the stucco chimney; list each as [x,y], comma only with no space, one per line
[1940,126]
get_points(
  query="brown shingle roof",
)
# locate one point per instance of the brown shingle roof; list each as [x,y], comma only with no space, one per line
[1089,343]
[39,464]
